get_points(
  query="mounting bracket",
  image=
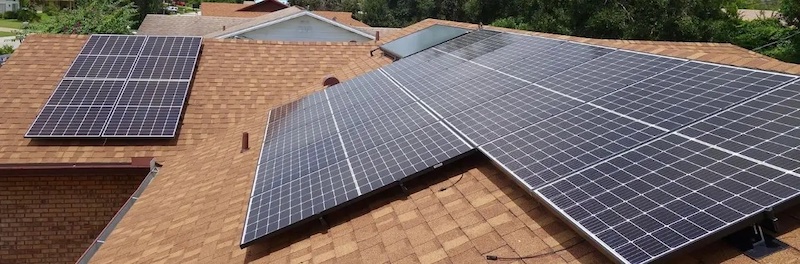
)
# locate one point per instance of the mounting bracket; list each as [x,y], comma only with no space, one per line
[404,188]
[758,241]
[324,223]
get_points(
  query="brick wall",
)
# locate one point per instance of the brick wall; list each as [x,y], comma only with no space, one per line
[53,219]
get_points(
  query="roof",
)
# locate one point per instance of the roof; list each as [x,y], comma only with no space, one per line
[753,14]
[234,78]
[194,209]
[243,10]
[278,17]
[155,24]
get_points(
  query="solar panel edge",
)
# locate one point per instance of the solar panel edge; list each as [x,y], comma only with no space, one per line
[255,177]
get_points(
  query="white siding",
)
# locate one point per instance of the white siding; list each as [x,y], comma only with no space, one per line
[303,28]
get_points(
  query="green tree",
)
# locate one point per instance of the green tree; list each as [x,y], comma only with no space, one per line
[92,17]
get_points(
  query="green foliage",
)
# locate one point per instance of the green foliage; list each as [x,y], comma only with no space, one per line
[790,12]
[6,49]
[92,17]
[222,1]
[27,14]
[51,8]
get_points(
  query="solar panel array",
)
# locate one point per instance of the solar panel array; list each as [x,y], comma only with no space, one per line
[643,154]
[121,86]
[340,144]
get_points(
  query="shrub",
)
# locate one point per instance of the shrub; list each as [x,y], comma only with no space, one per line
[27,14]
[6,49]
[10,15]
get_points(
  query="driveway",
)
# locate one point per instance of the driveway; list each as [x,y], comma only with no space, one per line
[9,41]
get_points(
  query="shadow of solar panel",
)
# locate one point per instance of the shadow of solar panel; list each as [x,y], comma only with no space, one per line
[69,121]
[101,67]
[642,206]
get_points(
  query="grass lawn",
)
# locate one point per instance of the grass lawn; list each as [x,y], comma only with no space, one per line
[5,34]
[10,23]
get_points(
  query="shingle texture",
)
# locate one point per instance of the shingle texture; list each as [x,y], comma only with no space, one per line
[194,210]
[155,24]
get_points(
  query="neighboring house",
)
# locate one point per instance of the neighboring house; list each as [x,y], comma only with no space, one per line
[56,196]
[155,24]
[8,5]
[289,24]
[293,24]
[267,6]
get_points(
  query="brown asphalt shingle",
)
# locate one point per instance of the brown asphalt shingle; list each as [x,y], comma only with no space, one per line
[155,24]
[194,211]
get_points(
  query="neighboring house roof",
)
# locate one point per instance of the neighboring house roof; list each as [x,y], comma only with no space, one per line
[278,17]
[226,10]
[753,14]
[194,210]
[341,17]
[155,24]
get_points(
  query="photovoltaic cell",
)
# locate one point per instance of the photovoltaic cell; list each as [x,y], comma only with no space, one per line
[86,93]
[509,113]
[435,82]
[101,67]
[688,92]
[466,40]
[484,46]
[664,195]
[566,143]
[70,121]
[296,106]
[608,73]
[115,45]
[277,144]
[555,60]
[405,156]
[766,128]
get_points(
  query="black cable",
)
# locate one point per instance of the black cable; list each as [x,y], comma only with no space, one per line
[493,257]
[451,185]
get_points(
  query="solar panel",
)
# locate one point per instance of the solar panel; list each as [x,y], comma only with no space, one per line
[510,112]
[115,45]
[170,68]
[86,92]
[427,82]
[521,47]
[466,40]
[662,196]
[608,73]
[482,88]
[101,67]
[688,92]
[421,40]
[567,142]
[766,128]
[120,92]
[555,60]
[69,121]
[154,93]
[143,121]
[319,142]
[405,156]
[171,46]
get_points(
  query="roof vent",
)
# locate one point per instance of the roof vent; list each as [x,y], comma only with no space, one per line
[330,80]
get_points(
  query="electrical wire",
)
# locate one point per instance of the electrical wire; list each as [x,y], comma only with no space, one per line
[493,257]
[451,185]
